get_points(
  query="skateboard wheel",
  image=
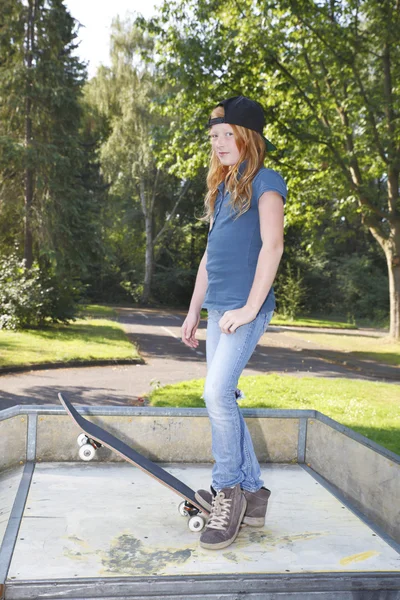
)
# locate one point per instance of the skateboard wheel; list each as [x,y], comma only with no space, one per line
[182,510]
[86,452]
[82,439]
[196,523]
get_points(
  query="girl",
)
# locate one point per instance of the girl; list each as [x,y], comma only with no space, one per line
[245,207]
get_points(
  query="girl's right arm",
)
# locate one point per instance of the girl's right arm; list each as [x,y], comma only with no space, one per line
[200,287]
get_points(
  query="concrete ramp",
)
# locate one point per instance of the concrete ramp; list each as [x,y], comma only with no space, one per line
[109,531]
[105,530]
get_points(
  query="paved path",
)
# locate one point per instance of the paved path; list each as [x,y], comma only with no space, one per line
[168,360]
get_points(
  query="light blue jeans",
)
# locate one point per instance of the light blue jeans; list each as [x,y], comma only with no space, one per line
[232,447]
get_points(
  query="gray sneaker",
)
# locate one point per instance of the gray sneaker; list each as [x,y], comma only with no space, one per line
[227,510]
[257,503]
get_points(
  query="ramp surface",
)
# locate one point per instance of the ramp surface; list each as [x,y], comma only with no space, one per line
[90,526]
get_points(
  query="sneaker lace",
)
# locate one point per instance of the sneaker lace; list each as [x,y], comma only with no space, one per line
[219,516]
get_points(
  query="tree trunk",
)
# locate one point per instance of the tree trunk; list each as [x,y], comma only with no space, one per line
[149,259]
[29,185]
[148,209]
[391,247]
[393,262]
[390,244]
[28,201]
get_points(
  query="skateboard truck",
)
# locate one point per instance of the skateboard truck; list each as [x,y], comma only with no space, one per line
[87,446]
[196,522]
[187,509]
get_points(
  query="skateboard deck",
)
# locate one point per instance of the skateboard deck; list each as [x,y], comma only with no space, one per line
[104,438]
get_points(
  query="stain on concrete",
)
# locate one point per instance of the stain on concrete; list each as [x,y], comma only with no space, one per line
[79,541]
[231,556]
[74,553]
[268,539]
[354,558]
[129,556]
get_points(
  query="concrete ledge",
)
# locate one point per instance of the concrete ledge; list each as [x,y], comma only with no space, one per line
[367,478]
[164,438]
[118,411]
[13,437]
[307,586]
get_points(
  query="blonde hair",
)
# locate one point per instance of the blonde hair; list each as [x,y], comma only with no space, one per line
[252,149]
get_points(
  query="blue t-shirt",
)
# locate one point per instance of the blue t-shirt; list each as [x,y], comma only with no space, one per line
[234,245]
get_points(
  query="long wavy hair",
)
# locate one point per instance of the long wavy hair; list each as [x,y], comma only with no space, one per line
[252,149]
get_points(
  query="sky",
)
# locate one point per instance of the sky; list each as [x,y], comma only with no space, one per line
[95,17]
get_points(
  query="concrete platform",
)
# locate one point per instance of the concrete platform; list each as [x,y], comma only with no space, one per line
[107,530]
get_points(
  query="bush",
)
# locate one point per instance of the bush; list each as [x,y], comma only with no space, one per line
[352,285]
[134,290]
[291,292]
[30,297]
[173,286]
[363,286]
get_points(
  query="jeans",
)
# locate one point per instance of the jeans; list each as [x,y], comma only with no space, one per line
[232,447]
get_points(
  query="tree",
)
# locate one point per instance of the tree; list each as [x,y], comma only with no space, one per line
[42,158]
[11,147]
[124,94]
[326,73]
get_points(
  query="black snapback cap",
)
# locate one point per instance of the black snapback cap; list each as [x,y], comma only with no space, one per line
[242,111]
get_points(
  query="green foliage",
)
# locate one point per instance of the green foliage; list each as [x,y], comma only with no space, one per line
[135,290]
[325,73]
[21,294]
[41,82]
[174,286]
[362,286]
[353,285]
[29,298]
[143,195]
[317,67]
[291,292]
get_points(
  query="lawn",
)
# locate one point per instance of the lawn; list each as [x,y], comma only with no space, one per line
[370,408]
[374,347]
[311,322]
[300,321]
[83,340]
[365,347]
[96,311]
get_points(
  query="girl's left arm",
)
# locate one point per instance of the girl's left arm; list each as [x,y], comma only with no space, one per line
[271,211]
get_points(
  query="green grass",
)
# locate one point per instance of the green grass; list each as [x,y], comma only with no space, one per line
[85,339]
[96,311]
[383,350]
[304,321]
[370,408]
[311,322]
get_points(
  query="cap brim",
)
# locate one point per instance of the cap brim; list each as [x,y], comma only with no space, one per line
[270,145]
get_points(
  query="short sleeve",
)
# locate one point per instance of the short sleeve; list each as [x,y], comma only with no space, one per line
[268,180]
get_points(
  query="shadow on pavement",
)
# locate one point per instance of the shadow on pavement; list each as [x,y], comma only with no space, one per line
[43,395]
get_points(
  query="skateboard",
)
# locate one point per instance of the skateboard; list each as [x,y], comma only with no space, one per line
[94,437]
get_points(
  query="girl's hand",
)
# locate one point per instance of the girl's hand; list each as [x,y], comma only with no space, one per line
[189,329]
[233,319]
